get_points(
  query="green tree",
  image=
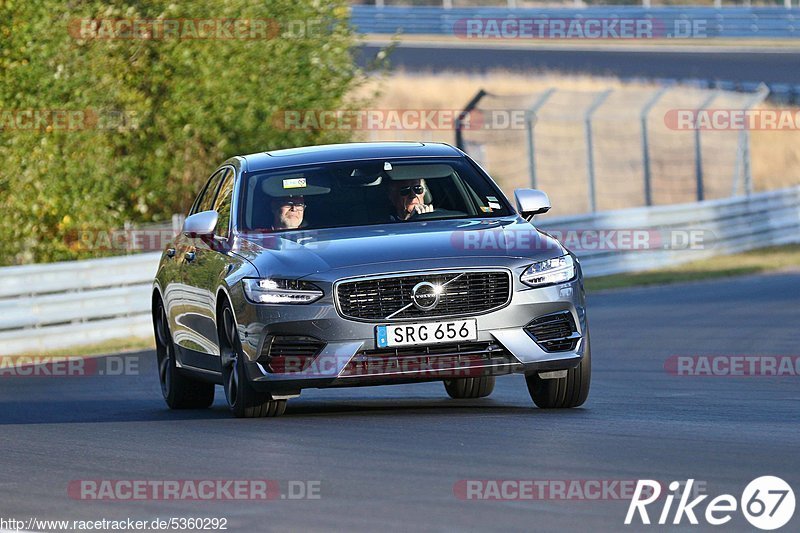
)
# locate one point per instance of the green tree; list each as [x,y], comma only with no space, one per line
[169,108]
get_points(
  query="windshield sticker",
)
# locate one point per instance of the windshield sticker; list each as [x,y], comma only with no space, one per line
[494,205]
[294,183]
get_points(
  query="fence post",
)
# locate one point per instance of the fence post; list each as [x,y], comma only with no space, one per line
[698,150]
[587,121]
[648,106]
[461,116]
[177,223]
[530,118]
[743,147]
[129,242]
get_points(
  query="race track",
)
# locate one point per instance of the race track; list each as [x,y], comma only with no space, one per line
[769,66]
[389,458]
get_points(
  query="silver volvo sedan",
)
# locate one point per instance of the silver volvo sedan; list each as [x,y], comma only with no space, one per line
[365,264]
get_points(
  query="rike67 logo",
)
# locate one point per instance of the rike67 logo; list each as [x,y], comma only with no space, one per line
[767,503]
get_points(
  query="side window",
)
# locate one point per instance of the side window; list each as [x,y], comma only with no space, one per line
[222,205]
[206,198]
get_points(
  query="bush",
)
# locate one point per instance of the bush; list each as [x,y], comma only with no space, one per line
[151,118]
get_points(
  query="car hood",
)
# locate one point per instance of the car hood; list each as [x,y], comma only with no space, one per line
[297,254]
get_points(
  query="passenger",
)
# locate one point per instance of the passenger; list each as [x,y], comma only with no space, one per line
[408,199]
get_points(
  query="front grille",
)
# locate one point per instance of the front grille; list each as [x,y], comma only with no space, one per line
[289,353]
[439,361]
[554,333]
[465,293]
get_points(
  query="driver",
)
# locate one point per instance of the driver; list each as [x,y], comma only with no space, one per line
[408,199]
[287,212]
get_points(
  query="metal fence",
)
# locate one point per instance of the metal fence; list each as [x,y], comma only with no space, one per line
[675,234]
[727,22]
[515,4]
[55,306]
[49,306]
[613,148]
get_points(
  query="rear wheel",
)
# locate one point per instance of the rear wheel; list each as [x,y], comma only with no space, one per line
[179,391]
[466,388]
[570,391]
[243,400]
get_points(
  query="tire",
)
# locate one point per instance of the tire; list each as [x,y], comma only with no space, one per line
[468,388]
[563,393]
[179,390]
[243,400]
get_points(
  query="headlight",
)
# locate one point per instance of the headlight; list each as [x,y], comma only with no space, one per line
[549,272]
[280,291]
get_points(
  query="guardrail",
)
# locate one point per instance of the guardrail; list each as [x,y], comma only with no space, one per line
[730,22]
[54,306]
[721,227]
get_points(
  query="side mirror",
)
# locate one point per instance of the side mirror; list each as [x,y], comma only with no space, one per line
[201,224]
[531,202]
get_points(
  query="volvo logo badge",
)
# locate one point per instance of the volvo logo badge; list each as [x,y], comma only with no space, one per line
[425,296]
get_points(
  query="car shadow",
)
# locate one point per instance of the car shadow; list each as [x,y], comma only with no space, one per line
[136,397]
[91,411]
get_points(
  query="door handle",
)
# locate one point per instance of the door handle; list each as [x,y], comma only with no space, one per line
[170,252]
[189,257]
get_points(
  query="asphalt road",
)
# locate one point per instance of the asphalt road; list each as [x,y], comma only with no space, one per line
[389,458]
[738,66]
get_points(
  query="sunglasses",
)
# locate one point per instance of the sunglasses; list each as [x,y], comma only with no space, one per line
[406,191]
[294,205]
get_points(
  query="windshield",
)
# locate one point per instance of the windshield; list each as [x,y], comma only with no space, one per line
[358,193]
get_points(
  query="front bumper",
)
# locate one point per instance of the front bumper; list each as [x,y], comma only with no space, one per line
[349,356]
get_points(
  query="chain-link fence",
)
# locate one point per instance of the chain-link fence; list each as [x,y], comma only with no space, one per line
[614,148]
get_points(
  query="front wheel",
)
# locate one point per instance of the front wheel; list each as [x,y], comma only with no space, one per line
[570,391]
[243,400]
[468,388]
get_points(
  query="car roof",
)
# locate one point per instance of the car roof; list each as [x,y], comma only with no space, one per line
[331,153]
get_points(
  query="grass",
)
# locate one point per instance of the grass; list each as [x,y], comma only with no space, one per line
[114,346]
[762,260]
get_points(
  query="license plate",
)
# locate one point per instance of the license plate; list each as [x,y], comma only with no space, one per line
[426,333]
